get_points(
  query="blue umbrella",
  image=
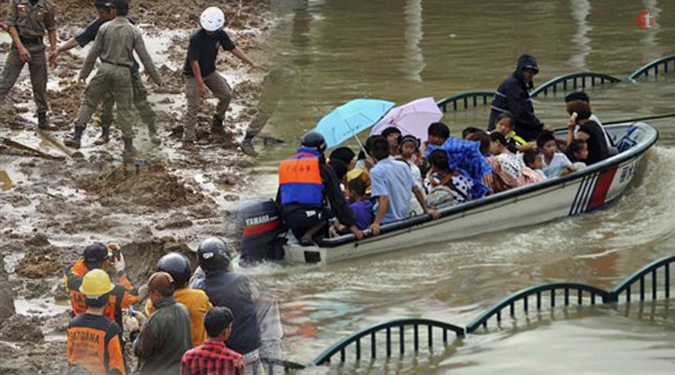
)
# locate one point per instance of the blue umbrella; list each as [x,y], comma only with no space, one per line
[350,119]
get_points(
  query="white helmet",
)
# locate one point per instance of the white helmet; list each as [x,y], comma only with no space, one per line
[212,19]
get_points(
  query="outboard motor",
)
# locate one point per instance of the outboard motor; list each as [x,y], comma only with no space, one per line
[260,228]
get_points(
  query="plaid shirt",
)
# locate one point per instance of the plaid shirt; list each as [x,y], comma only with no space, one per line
[212,358]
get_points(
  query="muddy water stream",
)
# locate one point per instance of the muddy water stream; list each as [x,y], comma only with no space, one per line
[401,50]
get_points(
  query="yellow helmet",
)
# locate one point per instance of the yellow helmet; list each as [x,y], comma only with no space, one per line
[96,283]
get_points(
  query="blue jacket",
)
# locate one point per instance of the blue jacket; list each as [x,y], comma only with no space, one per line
[233,291]
[513,96]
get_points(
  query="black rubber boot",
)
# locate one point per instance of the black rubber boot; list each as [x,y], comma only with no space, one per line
[247,146]
[74,140]
[43,122]
[217,124]
[129,153]
[105,136]
[152,133]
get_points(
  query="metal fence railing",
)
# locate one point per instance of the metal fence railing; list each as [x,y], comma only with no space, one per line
[573,81]
[562,83]
[393,330]
[649,272]
[654,66]
[570,294]
[411,335]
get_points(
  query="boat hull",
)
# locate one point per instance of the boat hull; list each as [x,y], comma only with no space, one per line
[578,193]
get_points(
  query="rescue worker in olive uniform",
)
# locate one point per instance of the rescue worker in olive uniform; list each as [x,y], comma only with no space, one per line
[196,301]
[106,13]
[94,342]
[115,44]
[28,21]
[97,256]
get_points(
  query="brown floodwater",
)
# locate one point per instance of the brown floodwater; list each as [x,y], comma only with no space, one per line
[400,50]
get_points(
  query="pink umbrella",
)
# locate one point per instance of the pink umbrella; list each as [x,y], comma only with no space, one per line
[413,118]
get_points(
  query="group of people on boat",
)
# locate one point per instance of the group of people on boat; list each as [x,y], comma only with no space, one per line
[344,193]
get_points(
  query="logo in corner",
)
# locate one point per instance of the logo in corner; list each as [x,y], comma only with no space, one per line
[644,20]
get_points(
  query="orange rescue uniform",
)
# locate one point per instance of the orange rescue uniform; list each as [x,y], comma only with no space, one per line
[94,343]
[122,296]
[197,303]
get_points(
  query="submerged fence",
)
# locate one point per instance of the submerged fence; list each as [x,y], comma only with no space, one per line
[562,83]
[409,335]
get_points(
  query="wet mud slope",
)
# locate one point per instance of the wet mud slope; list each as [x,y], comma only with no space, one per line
[52,205]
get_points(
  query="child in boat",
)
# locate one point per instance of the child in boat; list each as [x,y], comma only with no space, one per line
[392,134]
[362,208]
[346,155]
[554,163]
[532,160]
[448,188]
[508,171]
[577,152]
[408,148]
[481,136]
[437,134]
[468,131]
[506,125]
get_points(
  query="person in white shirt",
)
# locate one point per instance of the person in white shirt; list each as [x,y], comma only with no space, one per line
[553,163]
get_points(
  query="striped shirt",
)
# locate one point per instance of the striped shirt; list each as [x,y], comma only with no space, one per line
[212,358]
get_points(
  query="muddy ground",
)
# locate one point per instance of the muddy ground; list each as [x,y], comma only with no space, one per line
[51,206]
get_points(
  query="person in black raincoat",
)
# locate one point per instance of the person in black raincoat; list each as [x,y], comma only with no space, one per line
[513,96]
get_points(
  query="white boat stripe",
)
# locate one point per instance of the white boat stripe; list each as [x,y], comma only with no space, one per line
[589,193]
[577,198]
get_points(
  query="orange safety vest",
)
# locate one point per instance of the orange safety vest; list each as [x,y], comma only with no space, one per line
[300,179]
[94,343]
[122,296]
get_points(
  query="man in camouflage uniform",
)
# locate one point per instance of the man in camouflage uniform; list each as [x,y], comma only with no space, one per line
[88,35]
[27,22]
[115,44]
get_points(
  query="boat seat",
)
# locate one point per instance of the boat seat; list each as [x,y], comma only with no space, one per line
[627,141]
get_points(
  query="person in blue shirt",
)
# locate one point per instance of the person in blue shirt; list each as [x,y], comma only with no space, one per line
[361,208]
[393,186]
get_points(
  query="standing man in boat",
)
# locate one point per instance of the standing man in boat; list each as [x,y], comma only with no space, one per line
[513,96]
[28,21]
[200,73]
[306,182]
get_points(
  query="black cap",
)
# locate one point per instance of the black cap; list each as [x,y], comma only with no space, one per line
[95,254]
[313,140]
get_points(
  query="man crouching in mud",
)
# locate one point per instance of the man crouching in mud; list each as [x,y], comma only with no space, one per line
[200,73]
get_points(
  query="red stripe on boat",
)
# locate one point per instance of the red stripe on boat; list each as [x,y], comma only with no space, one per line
[602,188]
[261,228]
